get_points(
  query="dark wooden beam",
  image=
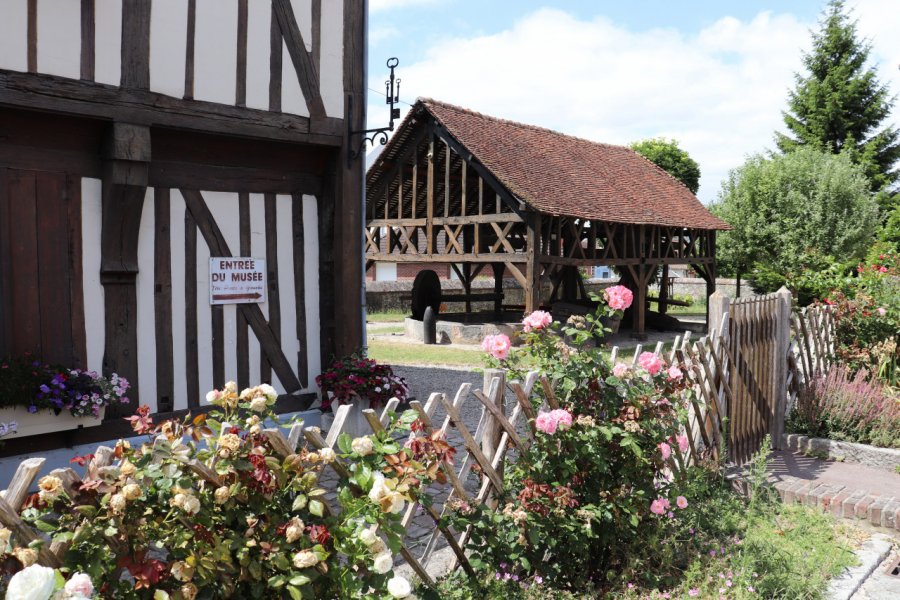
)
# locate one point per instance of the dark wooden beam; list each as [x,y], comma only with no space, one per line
[191,33]
[60,95]
[162,300]
[240,93]
[127,155]
[136,44]
[307,74]
[88,42]
[221,178]
[532,266]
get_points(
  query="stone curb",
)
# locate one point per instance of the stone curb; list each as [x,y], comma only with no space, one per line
[842,502]
[870,556]
[880,458]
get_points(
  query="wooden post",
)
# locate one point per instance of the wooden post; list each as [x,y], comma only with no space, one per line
[498,269]
[493,430]
[779,369]
[533,267]
[716,306]
[429,199]
[639,318]
[664,290]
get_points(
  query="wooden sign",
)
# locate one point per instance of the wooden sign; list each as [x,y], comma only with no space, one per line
[237,280]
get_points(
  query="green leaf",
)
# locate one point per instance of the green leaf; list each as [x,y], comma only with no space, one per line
[300,580]
[299,502]
[344,440]
[316,507]
[276,581]
[44,526]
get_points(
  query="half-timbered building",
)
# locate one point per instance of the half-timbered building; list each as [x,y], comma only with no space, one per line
[458,187]
[140,138]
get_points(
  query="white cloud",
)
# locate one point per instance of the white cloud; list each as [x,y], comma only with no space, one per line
[720,92]
[379,5]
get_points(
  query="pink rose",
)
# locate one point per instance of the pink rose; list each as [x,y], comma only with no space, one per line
[620,370]
[665,450]
[539,319]
[497,346]
[546,423]
[674,373]
[79,583]
[618,297]
[682,442]
[562,417]
[681,502]
[659,506]
[651,362]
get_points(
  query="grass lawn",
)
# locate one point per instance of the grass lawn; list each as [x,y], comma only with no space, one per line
[420,354]
[386,317]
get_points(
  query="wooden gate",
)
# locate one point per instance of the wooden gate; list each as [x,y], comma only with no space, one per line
[754,334]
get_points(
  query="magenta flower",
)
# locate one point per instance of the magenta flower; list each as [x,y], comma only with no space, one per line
[618,297]
[651,362]
[539,319]
[693,592]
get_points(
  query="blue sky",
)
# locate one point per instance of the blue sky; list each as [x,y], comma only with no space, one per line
[712,74]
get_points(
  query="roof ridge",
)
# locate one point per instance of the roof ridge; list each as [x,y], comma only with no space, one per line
[475,113]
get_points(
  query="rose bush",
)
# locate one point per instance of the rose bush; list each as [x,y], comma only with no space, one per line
[208,509]
[605,467]
[354,376]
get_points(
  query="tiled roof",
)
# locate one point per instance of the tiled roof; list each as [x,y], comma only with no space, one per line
[559,174]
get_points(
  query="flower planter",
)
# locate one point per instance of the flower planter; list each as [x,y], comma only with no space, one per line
[45,421]
[355,425]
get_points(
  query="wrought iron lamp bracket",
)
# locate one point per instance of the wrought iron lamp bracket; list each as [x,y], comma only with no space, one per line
[379,134]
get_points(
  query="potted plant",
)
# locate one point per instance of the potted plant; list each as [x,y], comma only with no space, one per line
[41,398]
[363,383]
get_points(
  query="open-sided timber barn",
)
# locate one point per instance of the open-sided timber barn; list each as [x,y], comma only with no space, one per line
[140,138]
[455,186]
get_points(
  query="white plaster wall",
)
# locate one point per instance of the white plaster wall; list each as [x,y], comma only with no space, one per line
[94,320]
[385,271]
[215,51]
[146,312]
[179,322]
[168,40]
[287,296]
[311,278]
[259,21]
[332,60]
[257,250]
[108,41]
[14,35]
[59,38]
[292,99]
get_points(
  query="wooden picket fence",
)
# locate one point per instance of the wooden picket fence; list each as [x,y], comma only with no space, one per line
[811,354]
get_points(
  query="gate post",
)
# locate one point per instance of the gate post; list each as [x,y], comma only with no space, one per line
[779,370]
[717,305]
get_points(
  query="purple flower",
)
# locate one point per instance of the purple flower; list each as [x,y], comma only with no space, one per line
[32,409]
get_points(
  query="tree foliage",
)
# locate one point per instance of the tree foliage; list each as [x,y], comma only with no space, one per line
[666,155]
[792,210]
[839,105]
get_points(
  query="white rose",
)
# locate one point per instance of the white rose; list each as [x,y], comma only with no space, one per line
[212,396]
[117,503]
[50,487]
[399,587]
[259,404]
[377,546]
[222,494]
[32,583]
[231,387]
[389,500]
[327,455]
[383,563]
[178,500]
[181,570]
[294,531]
[191,505]
[268,391]
[132,491]
[368,536]
[4,538]
[79,584]
[305,559]
[362,446]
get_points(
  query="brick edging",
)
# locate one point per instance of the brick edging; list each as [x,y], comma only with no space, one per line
[841,501]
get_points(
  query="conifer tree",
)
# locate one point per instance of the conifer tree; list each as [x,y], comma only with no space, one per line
[839,105]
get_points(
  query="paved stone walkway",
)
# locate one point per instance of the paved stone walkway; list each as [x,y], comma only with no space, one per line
[847,490]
